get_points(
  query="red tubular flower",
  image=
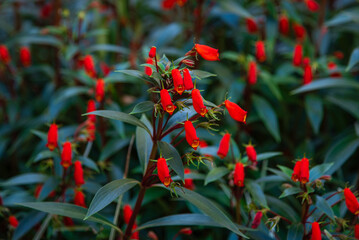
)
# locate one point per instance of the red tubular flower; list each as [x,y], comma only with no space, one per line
[52,137]
[257,220]
[308,75]
[312,5]
[306,61]
[135,234]
[25,56]
[338,54]
[356,231]
[79,199]
[316,234]
[38,190]
[89,66]
[251,25]
[252,73]
[187,80]
[260,51]
[4,55]
[251,153]
[239,175]
[166,102]
[163,172]
[177,81]
[78,174]
[198,102]
[235,111]
[68,222]
[191,135]
[304,170]
[13,221]
[224,146]
[148,70]
[188,182]
[296,171]
[91,106]
[283,24]
[152,52]
[46,10]
[105,69]
[100,90]
[168,4]
[91,130]
[66,155]
[127,213]
[185,231]
[208,53]
[299,31]
[351,201]
[297,55]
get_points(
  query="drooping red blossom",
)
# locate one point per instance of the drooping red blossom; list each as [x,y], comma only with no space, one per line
[13,221]
[297,55]
[25,56]
[260,51]
[257,220]
[338,54]
[187,80]
[135,234]
[312,5]
[251,25]
[46,10]
[52,137]
[356,231]
[238,177]
[191,135]
[296,171]
[252,73]
[185,231]
[66,155]
[166,101]
[148,70]
[283,24]
[235,111]
[152,52]
[206,52]
[299,31]
[79,199]
[90,130]
[100,90]
[91,106]
[4,55]
[163,172]
[78,174]
[306,61]
[177,81]
[304,170]
[224,146]
[168,4]
[188,182]
[127,213]
[333,70]
[198,102]
[68,222]
[89,66]
[308,75]
[351,201]
[251,153]
[105,69]
[316,233]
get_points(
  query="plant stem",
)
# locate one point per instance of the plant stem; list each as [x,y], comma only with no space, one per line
[43,227]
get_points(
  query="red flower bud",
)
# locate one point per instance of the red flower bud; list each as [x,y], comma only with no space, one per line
[89,66]
[251,25]
[235,111]
[166,102]
[252,73]
[257,220]
[68,222]
[4,55]
[299,31]
[188,182]
[224,146]
[312,5]
[198,102]
[260,51]
[177,81]
[356,231]
[338,54]
[283,24]
[239,175]
[206,52]
[316,234]
[251,153]
[168,4]
[91,130]
[332,68]
[105,69]
[306,61]
[38,190]
[25,56]
[46,10]
[148,70]
[13,221]
[91,106]
[79,199]
[297,55]
[187,80]
[152,52]
[308,76]
[100,90]
[66,155]
[304,170]
[189,62]
[191,135]
[52,137]
[127,213]
[351,201]
[185,231]
[296,171]
[135,234]
[163,172]
[78,174]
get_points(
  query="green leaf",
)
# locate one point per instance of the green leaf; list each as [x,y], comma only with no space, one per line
[314,108]
[324,206]
[263,156]
[66,93]
[319,170]
[112,147]
[295,232]
[326,83]
[288,172]
[257,193]
[354,59]
[25,179]
[202,74]
[49,186]
[215,174]
[175,162]
[144,143]
[142,107]
[290,191]
[67,210]
[124,117]
[46,154]
[108,193]
[268,116]
[209,208]
[87,162]
[41,40]
[27,223]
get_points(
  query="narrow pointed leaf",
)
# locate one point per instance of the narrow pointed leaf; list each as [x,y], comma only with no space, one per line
[175,162]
